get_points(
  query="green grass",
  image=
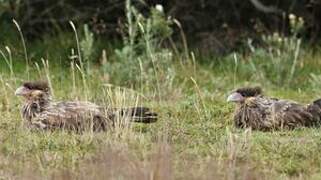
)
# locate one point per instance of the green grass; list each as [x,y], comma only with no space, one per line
[193,139]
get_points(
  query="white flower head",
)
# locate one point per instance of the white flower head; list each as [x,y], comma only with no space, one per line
[279,39]
[292,16]
[159,7]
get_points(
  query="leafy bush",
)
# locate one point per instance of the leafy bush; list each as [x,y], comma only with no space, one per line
[277,61]
[87,43]
[142,57]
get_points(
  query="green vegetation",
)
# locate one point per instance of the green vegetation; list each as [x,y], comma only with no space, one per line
[194,137]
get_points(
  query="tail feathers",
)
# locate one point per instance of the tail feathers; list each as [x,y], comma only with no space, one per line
[315,110]
[140,114]
[317,102]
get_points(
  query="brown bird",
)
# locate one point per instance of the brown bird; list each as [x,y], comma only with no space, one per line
[253,110]
[41,112]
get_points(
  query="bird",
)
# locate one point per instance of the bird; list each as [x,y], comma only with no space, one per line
[39,111]
[258,112]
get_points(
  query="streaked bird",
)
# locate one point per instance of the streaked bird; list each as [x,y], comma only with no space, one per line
[41,112]
[259,112]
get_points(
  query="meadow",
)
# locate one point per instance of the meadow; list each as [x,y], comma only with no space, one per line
[194,137]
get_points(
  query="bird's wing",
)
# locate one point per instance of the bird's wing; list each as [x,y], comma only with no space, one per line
[262,109]
[70,115]
[315,110]
[78,107]
[289,114]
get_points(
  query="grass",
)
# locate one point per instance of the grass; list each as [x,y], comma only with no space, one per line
[194,137]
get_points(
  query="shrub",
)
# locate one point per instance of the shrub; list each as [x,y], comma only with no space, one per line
[277,60]
[142,57]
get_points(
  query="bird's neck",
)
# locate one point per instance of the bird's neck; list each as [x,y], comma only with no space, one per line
[241,115]
[33,108]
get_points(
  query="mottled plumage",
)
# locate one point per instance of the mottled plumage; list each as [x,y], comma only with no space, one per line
[253,110]
[41,112]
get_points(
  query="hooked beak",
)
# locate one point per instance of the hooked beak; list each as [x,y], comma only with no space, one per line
[235,97]
[21,91]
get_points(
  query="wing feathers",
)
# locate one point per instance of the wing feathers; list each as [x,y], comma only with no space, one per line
[267,114]
[76,115]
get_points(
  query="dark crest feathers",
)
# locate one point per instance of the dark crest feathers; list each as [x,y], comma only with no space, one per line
[37,85]
[250,91]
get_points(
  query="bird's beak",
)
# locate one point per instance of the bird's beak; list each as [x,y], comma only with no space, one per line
[21,91]
[235,97]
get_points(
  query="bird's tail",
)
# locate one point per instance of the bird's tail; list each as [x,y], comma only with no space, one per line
[315,110]
[139,114]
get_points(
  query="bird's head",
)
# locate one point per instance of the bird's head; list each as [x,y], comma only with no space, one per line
[33,91]
[240,95]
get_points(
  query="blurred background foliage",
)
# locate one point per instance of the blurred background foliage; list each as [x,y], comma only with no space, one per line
[216,26]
